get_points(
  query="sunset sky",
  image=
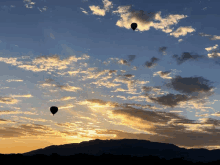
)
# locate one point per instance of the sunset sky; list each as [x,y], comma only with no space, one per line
[158,83]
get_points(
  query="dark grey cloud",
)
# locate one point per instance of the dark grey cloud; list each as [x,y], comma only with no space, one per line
[170,100]
[166,127]
[189,84]
[49,80]
[151,116]
[186,56]
[162,49]
[167,130]
[152,63]
[146,89]
[128,75]
[112,71]
[165,73]
[142,17]
[131,57]
[123,62]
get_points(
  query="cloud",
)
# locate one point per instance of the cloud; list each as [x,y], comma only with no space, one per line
[69,88]
[131,57]
[8,100]
[83,10]
[112,71]
[148,89]
[44,63]
[163,49]
[146,21]
[96,10]
[212,48]
[182,31]
[129,75]
[10,80]
[52,36]
[152,63]
[163,75]
[211,37]
[29,95]
[190,84]
[214,53]
[28,3]
[186,56]
[164,127]
[42,9]
[123,62]
[170,100]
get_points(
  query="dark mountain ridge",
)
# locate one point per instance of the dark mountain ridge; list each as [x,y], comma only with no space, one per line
[133,147]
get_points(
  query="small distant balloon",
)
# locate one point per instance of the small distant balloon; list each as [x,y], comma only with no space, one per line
[53,109]
[133,26]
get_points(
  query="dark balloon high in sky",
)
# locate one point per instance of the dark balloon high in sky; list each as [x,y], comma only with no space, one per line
[133,26]
[53,110]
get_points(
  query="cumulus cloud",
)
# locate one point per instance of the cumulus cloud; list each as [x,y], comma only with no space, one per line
[182,31]
[213,50]
[96,10]
[146,21]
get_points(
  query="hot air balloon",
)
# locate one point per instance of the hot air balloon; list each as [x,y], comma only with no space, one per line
[133,26]
[53,110]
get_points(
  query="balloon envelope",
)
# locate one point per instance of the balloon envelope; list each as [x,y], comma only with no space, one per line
[133,26]
[53,110]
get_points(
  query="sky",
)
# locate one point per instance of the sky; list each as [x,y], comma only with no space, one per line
[159,82]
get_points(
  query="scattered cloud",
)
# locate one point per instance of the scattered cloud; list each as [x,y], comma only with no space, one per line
[163,75]
[131,57]
[182,31]
[96,10]
[28,3]
[211,37]
[186,56]
[214,53]
[152,63]
[83,10]
[163,50]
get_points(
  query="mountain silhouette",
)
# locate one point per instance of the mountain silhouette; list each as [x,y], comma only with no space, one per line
[133,147]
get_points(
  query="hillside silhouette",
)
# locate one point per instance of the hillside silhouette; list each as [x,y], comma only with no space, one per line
[132,147]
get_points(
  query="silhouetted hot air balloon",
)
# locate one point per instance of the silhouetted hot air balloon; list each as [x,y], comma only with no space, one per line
[133,26]
[53,110]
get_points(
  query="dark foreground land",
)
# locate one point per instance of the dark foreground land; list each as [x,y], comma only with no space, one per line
[126,151]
